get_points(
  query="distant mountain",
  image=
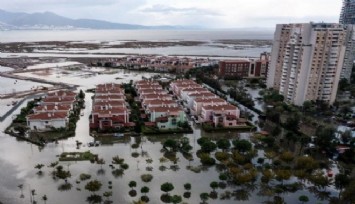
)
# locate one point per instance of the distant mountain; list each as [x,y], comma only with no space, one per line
[48,20]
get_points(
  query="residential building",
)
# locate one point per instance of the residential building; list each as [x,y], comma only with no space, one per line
[167,117]
[177,85]
[192,96]
[109,118]
[307,61]
[260,67]
[109,109]
[201,102]
[220,115]
[47,120]
[184,92]
[160,103]
[61,108]
[347,15]
[234,68]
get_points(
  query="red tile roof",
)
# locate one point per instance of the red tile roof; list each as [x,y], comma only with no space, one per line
[52,108]
[209,100]
[47,116]
[61,93]
[219,107]
[66,99]
[165,109]
[110,103]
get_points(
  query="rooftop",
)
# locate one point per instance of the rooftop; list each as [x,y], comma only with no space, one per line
[47,116]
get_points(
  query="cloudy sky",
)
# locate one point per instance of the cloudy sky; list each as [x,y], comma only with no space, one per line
[204,13]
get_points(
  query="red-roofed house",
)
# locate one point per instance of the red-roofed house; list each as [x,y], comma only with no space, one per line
[178,84]
[200,102]
[110,98]
[156,97]
[225,115]
[67,100]
[192,96]
[52,109]
[61,94]
[109,118]
[159,103]
[167,117]
[186,91]
[45,121]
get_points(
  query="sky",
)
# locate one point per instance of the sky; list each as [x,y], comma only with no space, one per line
[202,13]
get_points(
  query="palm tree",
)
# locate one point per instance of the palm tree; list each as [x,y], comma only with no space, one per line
[303,199]
[44,198]
[204,197]
[101,162]
[144,190]
[214,185]
[132,184]
[107,195]
[39,167]
[93,186]
[21,189]
[167,187]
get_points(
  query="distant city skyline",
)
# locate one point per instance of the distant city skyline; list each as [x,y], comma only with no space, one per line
[201,13]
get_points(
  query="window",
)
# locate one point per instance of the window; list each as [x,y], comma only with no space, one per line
[173,121]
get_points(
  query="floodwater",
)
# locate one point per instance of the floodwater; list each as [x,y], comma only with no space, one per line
[9,86]
[17,161]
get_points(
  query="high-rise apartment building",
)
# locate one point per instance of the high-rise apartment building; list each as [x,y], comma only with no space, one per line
[347,15]
[307,61]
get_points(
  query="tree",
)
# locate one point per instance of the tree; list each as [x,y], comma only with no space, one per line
[81,94]
[39,167]
[176,199]
[283,174]
[303,199]
[167,187]
[144,190]
[223,144]
[132,184]
[242,145]
[204,197]
[325,136]
[214,185]
[208,147]
[341,182]
[93,186]
[187,186]
[107,195]
[101,162]
[292,122]
[287,157]
[44,198]
[171,145]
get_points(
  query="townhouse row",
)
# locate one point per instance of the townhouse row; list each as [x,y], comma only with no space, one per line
[205,106]
[160,107]
[109,109]
[53,111]
[163,63]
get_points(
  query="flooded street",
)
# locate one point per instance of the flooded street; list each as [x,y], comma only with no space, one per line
[17,158]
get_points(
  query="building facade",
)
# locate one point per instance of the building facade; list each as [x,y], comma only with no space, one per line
[347,15]
[234,68]
[307,61]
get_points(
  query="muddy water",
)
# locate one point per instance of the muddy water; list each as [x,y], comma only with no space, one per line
[17,161]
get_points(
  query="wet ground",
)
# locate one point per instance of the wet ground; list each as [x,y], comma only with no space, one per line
[17,159]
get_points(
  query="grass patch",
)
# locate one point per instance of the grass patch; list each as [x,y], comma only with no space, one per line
[78,156]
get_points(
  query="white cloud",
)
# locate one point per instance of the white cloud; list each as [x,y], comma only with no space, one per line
[207,13]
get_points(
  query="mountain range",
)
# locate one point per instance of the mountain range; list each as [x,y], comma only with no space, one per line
[49,20]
